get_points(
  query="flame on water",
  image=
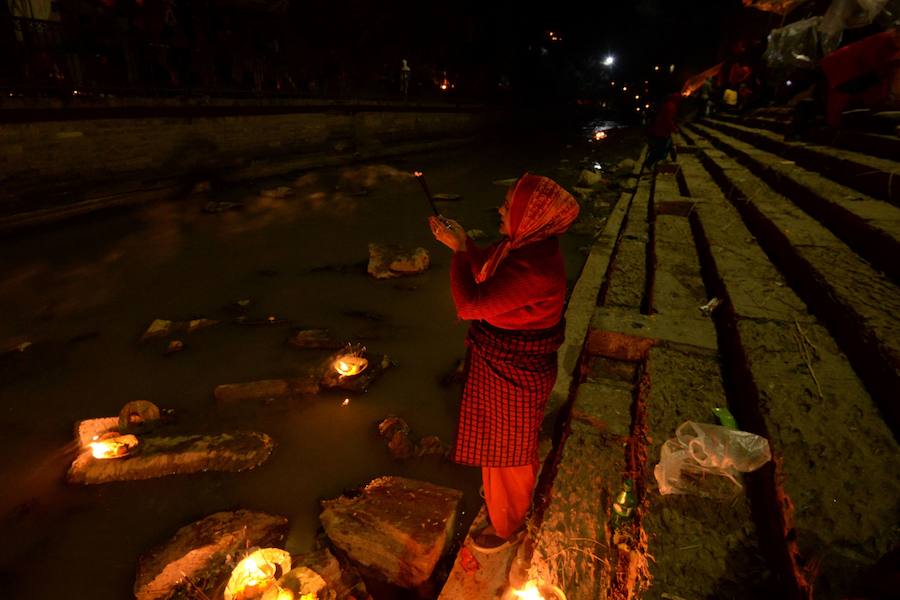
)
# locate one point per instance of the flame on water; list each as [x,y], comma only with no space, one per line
[600,135]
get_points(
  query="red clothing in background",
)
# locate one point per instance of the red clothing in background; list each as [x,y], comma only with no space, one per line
[664,124]
[527,291]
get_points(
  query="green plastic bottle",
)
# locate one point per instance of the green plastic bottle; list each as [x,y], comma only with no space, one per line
[623,507]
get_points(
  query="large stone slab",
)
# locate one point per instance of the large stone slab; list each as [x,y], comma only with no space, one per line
[168,455]
[200,556]
[398,527]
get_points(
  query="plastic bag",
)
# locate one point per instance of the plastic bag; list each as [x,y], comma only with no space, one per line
[850,14]
[704,460]
[800,45]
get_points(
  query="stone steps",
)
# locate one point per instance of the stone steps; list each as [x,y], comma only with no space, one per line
[776,352]
[871,227]
[865,173]
[857,303]
[788,380]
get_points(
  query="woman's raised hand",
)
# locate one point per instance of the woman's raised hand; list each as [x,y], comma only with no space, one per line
[448,232]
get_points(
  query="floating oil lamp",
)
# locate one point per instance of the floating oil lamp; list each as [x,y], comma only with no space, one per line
[600,135]
[113,445]
[535,589]
[258,572]
[351,361]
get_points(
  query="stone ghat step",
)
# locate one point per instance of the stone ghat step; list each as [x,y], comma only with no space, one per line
[868,174]
[871,227]
[858,304]
[571,543]
[780,126]
[788,380]
[625,285]
[702,548]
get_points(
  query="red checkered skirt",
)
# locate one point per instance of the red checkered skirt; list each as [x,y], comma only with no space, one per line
[509,376]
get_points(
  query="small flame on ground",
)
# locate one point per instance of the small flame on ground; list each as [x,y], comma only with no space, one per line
[600,135]
[346,402]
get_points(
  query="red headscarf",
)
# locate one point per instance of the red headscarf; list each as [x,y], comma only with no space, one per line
[537,208]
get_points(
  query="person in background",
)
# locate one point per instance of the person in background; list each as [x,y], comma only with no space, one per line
[404,79]
[664,124]
[513,292]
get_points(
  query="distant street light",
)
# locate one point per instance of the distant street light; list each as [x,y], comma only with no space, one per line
[609,60]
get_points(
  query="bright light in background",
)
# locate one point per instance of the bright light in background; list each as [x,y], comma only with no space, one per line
[609,60]
[789,82]
[656,68]
[671,68]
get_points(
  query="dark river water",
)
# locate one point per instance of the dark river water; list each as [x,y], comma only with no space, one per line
[83,292]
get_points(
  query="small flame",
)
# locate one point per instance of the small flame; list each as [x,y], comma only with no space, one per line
[113,447]
[536,589]
[417,173]
[346,402]
[256,573]
[600,135]
[351,361]
[529,592]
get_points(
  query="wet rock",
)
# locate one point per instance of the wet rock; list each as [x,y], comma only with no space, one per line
[591,180]
[400,445]
[278,192]
[265,390]
[138,415]
[342,580]
[396,431]
[398,527]
[625,167]
[476,234]
[388,261]
[331,379]
[173,347]
[158,328]
[175,455]
[431,445]
[163,327]
[200,556]
[583,193]
[314,339]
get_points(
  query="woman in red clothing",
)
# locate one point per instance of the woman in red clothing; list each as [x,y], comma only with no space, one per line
[514,293]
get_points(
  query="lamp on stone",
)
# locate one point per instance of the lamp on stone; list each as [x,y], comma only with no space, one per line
[114,445]
[351,361]
[535,589]
[258,572]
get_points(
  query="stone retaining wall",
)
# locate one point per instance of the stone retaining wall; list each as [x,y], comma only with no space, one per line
[52,156]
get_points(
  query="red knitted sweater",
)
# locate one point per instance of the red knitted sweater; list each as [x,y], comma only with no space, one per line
[528,290]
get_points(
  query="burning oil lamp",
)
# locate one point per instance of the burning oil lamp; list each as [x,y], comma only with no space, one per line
[113,445]
[351,361]
[535,589]
[256,573]
[600,135]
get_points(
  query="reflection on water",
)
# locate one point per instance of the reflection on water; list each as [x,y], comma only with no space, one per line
[84,292]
